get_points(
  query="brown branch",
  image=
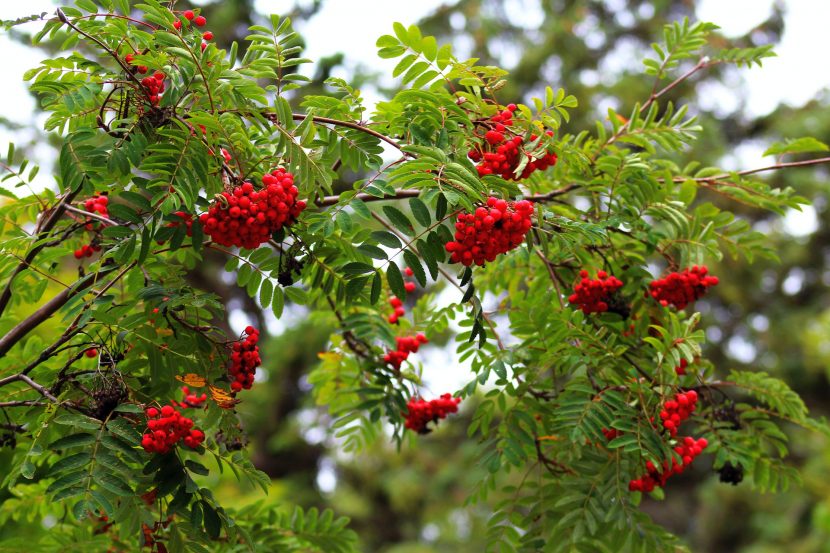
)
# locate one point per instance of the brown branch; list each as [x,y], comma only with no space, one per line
[26,403]
[40,389]
[412,193]
[45,229]
[347,124]
[45,311]
[804,163]
[127,69]
[92,215]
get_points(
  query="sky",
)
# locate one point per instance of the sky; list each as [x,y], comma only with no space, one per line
[793,77]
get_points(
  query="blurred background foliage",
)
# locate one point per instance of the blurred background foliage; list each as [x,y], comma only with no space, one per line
[774,316]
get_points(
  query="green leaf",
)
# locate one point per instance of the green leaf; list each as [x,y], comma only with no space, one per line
[213,524]
[113,483]
[387,239]
[414,263]
[377,286]
[73,440]
[398,219]
[395,280]
[420,211]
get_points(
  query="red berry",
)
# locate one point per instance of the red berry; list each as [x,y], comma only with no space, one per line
[91,352]
[189,15]
[208,36]
[177,24]
[200,21]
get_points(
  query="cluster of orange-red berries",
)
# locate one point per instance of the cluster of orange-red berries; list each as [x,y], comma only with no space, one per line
[501,154]
[192,399]
[244,360]
[166,427]
[404,346]
[246,217]
[682,288]
[687,449]
[420,412]
[197,20]
[677,410]
[677,288]
[594,295]
[489,231]
[154,86]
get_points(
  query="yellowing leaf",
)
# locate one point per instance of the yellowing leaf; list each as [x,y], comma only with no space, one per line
[222,398]
[192,379]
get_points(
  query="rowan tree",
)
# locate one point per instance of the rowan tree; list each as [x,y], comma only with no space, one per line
[577,261]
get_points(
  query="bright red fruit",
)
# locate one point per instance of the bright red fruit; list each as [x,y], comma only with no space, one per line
[246,217]
[594,295]
[502,154]
[677,410]
[681,289]
[420,412]
[244,360]
[166,428]
[687,449]
[489,231]
[405,346]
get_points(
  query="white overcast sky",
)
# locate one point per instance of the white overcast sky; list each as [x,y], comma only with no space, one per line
[794,77]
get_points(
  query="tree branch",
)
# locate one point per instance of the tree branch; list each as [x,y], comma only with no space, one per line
[46,228]
[46,310]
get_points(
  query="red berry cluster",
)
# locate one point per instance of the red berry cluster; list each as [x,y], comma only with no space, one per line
[247,218]
[405,346]
[97,204]
[677,410]
[501,155]
[594,295]
[166,427]
[397,305]
[244,360]
[688,449]
[489,231]
[154,86]
[199,21]
[396,302]
[191,399]
[226,154]
[611,434]
[87,250]
[681,289]
[681,368]
[186,219]
[420,412]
